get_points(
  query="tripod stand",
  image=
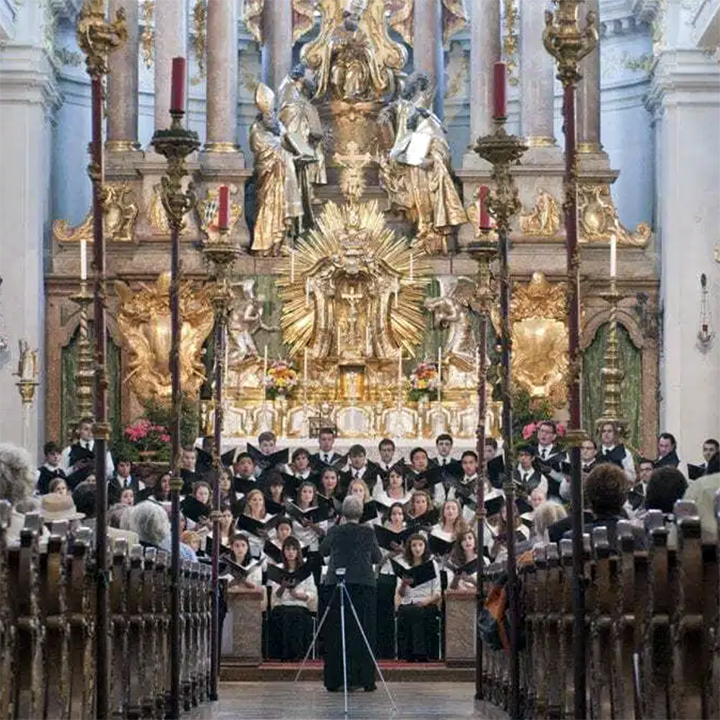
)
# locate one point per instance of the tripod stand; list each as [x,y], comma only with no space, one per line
[344,594]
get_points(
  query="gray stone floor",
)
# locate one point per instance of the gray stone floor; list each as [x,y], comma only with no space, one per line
[310,701]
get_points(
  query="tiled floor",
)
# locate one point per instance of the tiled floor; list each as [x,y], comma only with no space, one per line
[310,701]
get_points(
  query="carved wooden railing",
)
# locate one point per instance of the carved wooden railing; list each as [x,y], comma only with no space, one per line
[47,644]
[652,623]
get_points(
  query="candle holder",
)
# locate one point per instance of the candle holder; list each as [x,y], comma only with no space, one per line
[569,43]
[85,364]
[612,372]
[502,151]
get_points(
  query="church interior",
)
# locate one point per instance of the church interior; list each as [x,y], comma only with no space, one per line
[460,257]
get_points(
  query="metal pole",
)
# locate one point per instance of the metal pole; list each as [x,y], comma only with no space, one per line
[97,38]
[568,43]
[175,143]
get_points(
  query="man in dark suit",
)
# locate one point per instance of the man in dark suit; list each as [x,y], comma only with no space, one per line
[325,455]
[124,480]
[353,548]
[547,451]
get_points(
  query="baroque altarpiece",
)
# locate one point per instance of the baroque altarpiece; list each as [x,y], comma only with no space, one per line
[354,222]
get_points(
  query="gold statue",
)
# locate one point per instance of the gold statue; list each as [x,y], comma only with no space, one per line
[349,294]
[544,219]
[279,201]
[27,362]
[353,55]
[143,317]
[401,12]
[245,320]
[540,340]
[119,218]
[301,119]
[598,218]
[451,311]
[417,174]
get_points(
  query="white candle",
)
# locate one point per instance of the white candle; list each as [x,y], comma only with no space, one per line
[400,371]
[613,255]
[397,290]
[305,369]
[265,364]
[412,266]
[83,259]
[440,373]
[292,264]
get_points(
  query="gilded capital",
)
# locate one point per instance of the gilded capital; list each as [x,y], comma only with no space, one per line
[97,37]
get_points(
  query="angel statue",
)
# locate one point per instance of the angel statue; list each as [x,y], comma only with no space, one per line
[417,174]
[246,319]
[278,195]
[27,362]
[451,311]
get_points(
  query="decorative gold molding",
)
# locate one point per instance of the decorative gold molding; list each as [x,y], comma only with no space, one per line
[599,218]
[221,147]
[303,18]
[147,37]
[198,37]
[252,16]
[540,141]
[122,145]
[510,41]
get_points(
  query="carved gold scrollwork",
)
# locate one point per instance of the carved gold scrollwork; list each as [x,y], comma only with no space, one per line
[198,38]
[400,18]
[599,218]
[119,218]
[540,339]
[147,37]
[143,317]
[545,217]
[252,13]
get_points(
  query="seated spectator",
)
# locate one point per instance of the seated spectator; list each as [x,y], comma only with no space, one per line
[546,514]
[115,530]
[150,521]
[58,486]
[702,493]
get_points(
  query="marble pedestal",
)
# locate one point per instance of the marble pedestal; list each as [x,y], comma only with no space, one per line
[459,627]
[242,630]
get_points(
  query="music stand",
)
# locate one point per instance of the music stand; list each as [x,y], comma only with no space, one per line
[340,573]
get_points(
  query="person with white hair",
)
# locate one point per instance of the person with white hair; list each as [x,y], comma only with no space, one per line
[151,523]
[17,482]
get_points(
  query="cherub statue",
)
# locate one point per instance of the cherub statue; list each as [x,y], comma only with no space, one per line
[451,312]
[246,319]
[27,363]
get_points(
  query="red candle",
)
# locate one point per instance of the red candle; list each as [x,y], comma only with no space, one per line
[177,91]
[223,207]
[483,204]
[499,90]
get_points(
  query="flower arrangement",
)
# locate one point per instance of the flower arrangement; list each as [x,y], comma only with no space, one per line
[424,382]
[281,379]
[143,438]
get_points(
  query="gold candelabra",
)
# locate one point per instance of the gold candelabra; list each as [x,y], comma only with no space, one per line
[612,372]
[175,144]
[502,151]
[569,43]
[85,363]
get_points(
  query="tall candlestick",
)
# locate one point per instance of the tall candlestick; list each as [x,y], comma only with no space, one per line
[484,219]
[223,207]
[305,371]
[499,90]
[265,364]
[439,373]
[613,255]
[292,264]
[177,90]
[400,371]
[412,266]
[83,260]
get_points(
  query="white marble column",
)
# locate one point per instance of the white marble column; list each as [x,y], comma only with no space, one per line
[277,42]
[588,96]
[428,46]
[222,76]
[122,88]
[537,92]
[170,42]
[28,97]
[686,101]
[485,49]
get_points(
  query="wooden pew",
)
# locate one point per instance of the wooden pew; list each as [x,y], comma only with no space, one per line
[7,626]
[119,589]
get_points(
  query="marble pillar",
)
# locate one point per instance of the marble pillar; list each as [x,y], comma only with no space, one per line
[685,99]
[122,83]
[485,49]
[537,71]
[428,46]
[222,76]
[277,42]
[588,96]
[28,100]
[170,42]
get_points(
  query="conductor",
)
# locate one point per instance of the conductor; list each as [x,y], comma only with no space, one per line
[353,548]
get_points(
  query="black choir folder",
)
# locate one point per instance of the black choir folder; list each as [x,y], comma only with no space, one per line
[439,546]
[279,574]
[313,514]
[419,574]
[257,527]
[386,536]
[239,572]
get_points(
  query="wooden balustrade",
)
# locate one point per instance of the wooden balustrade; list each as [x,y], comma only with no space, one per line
[653,624]
[47,626]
